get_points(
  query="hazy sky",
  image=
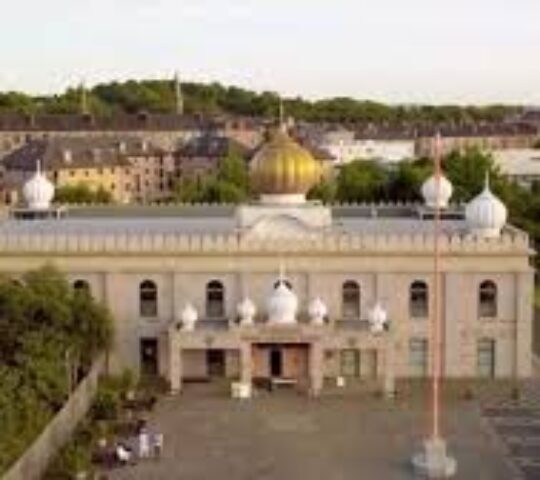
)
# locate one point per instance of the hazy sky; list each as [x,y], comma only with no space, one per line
[396,50]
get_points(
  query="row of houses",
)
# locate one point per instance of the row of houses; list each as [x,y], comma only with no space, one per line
[141,158]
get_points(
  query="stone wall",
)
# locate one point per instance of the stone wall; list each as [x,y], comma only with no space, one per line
[34,461]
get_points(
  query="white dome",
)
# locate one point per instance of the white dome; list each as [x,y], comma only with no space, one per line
[246,311]
[189,317]
[38,192]
[317,310]
[429,192]
[486,215]
[282,305]
[378,319]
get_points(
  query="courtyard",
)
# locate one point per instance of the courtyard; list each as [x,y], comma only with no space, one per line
[285,435]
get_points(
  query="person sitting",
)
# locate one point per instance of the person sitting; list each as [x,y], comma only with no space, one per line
[123,454]
[157,444]
[144,443]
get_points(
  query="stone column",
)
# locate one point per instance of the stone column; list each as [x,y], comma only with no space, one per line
[246,363]
[524,320]
[175,363]
[389,378]
[316,373]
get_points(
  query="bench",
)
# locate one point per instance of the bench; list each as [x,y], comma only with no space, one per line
[282,382]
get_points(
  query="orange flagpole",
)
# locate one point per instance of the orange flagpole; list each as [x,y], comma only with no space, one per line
[436,324]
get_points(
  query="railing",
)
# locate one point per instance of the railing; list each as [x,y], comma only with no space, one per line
[352,324]
[212,324]
[222,324]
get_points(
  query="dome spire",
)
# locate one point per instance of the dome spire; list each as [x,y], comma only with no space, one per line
[437,189]
[38,192]
[486,214]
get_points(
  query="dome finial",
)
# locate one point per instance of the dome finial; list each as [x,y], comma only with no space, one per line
[38,192]
[282,124]
[486,180]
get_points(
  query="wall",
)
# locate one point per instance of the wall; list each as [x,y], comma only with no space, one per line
[34,461]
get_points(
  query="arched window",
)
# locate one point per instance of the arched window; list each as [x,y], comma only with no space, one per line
[487,299]
[419,299]
[215,299]
[81,287]
[350,300]
[148,299]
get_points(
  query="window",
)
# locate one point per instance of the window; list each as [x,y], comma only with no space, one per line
[485,358]
[418,299]
[215,299]
[418,357]
[350,300]
[487,299]
[148,299]
[350,362]
[81,287]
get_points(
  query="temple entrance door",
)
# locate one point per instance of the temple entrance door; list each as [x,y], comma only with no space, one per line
[148,353]
[215,361]
[276,362]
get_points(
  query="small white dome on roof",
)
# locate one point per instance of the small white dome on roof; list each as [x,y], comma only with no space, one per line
[189,317]
[378,319]
[38,192]
[486,214]
[282,305]
[437,197]
[317,310]
[246,311]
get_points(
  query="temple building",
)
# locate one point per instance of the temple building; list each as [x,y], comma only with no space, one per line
[291,291]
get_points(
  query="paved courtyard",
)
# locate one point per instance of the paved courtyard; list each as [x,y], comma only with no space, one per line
[288,436]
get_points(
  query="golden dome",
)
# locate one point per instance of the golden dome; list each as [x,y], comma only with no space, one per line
[283,167]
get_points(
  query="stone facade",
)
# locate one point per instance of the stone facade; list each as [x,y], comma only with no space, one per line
[384,265]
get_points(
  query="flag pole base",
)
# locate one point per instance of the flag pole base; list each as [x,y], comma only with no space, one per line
[434,462]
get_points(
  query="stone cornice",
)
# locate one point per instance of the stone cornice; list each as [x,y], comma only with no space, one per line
[512,243]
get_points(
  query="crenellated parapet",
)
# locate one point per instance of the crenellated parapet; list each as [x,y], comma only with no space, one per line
[511,241]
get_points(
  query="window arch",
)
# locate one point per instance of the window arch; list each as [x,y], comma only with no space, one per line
[82,287]
[148,299]
[350,299]
[487,299]
[215,299]
[419,299]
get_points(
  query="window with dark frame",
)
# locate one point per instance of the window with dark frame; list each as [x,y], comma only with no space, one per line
[148,299]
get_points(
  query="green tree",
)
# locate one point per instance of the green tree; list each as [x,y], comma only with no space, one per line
[362,181]
[81,193]
[49,333]
[325,191]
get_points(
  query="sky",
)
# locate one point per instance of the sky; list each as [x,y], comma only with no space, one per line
[397,51]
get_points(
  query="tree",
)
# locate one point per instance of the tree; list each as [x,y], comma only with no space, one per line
[467,171]
[81,193]
[406,182]
[325,191]
[362,181]
[48,333]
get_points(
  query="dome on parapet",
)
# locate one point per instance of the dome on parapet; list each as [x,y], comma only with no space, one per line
[378,319]
[282,167]
[246,311]
[317,310]
[282,305]
[38,191]
[486,214]
[189,317]
[437,196]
